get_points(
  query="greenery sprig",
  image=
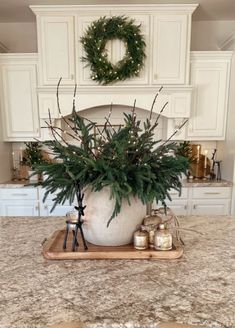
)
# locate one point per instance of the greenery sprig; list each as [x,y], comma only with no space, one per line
[94,42]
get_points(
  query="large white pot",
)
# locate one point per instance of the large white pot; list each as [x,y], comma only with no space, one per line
[99,210]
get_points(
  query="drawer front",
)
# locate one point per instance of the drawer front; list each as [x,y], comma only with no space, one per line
[211,192]
[175,194]
[19,193]
[50,197]
[211,207]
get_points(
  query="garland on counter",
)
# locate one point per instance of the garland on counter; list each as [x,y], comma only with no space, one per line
[94,42]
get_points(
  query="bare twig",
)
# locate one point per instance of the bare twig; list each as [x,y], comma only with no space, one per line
[153,103]
[54,132]
[176,131]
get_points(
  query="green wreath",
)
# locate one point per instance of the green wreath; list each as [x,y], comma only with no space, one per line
[95,39]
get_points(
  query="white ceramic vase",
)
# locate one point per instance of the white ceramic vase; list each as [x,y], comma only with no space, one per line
[99,210]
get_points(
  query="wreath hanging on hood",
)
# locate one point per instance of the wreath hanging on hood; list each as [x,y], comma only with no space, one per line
[95,39]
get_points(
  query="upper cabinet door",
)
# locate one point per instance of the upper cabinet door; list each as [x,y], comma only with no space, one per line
[115,49]
[170,50]
[56,49]
[19,101]
[118,49]
[210,72]
[84,72]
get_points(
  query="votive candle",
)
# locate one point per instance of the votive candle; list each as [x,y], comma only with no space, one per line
[205,163]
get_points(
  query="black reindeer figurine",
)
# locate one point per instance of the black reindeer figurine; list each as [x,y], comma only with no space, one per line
[78,224]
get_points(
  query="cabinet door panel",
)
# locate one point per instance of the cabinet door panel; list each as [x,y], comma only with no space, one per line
[118,49]
[20,208]
[210,207]
[56,48]
[178,207]
[60,210]
[19,102]
[170,49]
[84,72]
[210,78]
[211,192]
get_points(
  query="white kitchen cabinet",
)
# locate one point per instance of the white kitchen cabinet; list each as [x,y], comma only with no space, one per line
[19,208]
[27,201]
[210,201]
[210,73]
[1,208]
[60,210]
[84,72]
[118,48]
[45,207]
[179,203]
[19,202]
[56,48]
[201,201]
[167,31]
[210,207]
[170,52]
[18,84]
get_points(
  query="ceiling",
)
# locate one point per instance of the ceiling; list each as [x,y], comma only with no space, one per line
[18,10]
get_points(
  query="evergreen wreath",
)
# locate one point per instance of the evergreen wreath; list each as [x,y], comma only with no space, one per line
[95,39]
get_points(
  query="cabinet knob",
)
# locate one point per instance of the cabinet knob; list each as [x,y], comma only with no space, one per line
[45,207]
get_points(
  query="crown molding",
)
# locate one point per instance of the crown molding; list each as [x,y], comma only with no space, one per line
[75,9]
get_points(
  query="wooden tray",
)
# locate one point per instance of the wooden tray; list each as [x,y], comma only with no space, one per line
[53,250]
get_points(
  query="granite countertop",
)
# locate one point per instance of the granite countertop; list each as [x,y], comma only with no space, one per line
[185,183]
[199,288]
[206,183]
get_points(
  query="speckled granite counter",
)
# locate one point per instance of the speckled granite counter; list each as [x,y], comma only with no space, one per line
[206,183]
[199,288]
[185,183]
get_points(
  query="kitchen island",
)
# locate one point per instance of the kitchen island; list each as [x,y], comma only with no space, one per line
[198,288]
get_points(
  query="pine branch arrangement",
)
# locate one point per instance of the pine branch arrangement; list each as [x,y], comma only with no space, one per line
[32,154]
[127,160]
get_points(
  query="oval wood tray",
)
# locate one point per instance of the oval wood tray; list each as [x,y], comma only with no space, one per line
[53,250]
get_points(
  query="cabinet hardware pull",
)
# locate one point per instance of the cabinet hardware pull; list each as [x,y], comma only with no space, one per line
[45,207]
[212,193]
[194,207]
[173,193]
[185,207]
[36,207]
[19,194]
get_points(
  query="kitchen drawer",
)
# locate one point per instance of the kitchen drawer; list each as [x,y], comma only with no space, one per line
[211,192]
[210,207]
[19,193]
[50,197]
[175,194]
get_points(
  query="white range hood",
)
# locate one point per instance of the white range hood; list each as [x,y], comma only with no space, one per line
[167,32]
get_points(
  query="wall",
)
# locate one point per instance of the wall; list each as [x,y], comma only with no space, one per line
[208,35]
[19,37]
